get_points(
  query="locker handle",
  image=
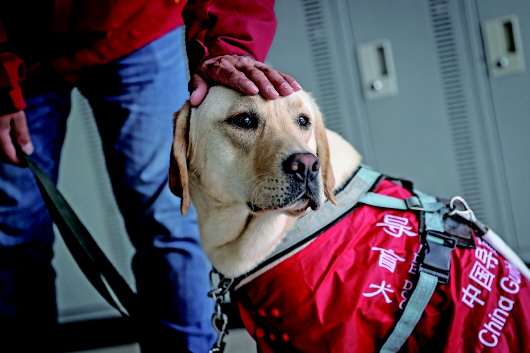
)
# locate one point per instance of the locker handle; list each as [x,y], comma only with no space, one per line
[378,85]
[509,36]
[509,40]
[503,44]
[376,64]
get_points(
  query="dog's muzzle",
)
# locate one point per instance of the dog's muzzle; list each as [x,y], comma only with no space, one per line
[302,171]
[303,167]
[301,189]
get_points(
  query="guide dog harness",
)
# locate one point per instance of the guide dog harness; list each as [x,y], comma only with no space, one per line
[390,269]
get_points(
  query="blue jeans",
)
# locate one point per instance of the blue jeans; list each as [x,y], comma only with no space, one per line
[133,100]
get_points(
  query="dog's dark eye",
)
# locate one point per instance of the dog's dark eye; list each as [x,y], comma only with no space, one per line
[244,121]
[303,121]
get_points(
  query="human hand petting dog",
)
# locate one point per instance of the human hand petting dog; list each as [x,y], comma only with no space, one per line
[243,74]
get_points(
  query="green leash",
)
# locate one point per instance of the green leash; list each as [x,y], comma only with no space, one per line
[84,249]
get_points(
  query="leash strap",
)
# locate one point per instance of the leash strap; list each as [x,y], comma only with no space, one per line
[84,249]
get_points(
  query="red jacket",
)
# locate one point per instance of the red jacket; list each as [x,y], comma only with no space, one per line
[346,289]
[75,34]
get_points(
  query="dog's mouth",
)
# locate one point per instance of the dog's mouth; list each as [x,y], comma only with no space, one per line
[295,207]
[301,205]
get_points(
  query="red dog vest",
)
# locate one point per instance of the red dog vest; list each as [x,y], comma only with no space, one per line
[345,291]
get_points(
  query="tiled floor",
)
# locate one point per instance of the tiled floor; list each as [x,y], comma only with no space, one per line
[238,341]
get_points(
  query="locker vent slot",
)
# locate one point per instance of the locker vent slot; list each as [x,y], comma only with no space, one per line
[326,75]
[456,102]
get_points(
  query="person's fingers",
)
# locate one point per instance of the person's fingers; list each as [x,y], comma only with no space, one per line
[228,70]
[292,82]
[270,80]
[260,79]
[7,149]
[21,131]
[238,80]
[200,89]
[244,74]
[14,126]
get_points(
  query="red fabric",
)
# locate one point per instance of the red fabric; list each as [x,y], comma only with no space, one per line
[128,25]
[117,27]
[218,27]
[328,297]
[120,26]
[11,71]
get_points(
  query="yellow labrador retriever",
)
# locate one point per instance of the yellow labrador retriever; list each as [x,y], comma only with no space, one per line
[254,167]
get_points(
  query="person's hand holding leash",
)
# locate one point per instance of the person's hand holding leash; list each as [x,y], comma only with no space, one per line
[13,126]
[243,74]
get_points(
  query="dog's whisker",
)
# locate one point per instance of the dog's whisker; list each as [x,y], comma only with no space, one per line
[259,191]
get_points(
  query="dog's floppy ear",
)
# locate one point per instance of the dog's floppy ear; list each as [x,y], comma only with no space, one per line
[324,157]
[178,160]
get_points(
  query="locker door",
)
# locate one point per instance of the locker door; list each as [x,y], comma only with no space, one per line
[509,99]
[423,130]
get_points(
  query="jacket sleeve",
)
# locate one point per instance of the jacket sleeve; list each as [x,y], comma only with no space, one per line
[11,73]
[220,27]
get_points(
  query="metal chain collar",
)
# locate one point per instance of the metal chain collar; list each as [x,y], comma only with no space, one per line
[219,319]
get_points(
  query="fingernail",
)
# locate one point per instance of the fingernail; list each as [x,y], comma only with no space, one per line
[286,86]
[253,87]
[272,90]
[297,85]
[28,148]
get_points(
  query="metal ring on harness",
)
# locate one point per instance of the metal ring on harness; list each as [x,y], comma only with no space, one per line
[466,214]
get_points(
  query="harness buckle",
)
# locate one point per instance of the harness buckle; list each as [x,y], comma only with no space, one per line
[413,203]
[437,255]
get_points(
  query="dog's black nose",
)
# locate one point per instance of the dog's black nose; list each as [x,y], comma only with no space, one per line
[304,166]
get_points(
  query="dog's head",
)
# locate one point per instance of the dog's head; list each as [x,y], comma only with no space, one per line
[272,156]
